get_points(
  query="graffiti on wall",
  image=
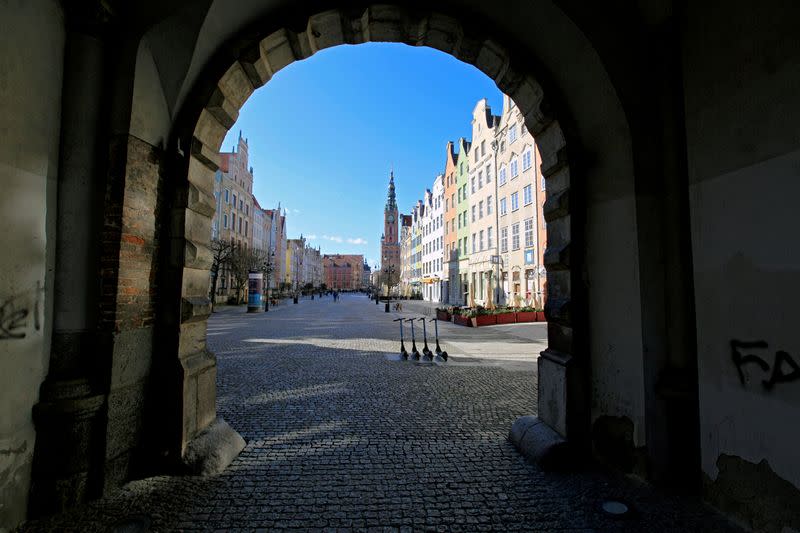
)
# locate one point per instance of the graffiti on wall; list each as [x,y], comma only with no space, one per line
[784,368]
[16,312]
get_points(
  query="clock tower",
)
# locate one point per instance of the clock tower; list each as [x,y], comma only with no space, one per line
[390,242]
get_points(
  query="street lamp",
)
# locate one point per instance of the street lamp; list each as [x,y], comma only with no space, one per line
[388,273]
[267,268]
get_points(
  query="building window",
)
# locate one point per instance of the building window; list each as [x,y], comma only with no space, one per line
[240,225]
[473,184]
[489,237]
[480,179]
[473,243]
[480,237]
[476,153]
[528,232]
[515,237]
[245,228]
[514,201]
[503,240]
[502,206]
[502,146]
[483,148]
[225,221]
[526,160]
[488,174]
[473,213]
[502,178]
[480,209]
[234,201]
[514,168]
[542,182]
[527,194]
[233,221]
[227,196]
[512,133]
[489,203]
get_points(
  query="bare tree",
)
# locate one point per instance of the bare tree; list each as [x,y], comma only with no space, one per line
[242,262]
[221,251]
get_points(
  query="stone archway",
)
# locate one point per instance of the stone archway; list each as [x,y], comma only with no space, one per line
[214,108]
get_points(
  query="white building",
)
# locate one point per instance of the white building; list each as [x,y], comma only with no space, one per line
[432,226]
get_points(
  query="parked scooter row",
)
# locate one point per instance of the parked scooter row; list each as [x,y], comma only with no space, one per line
[428,356]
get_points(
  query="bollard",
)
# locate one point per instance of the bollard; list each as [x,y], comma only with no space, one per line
[440,354]
[403,352]
[414,350]
[425,350]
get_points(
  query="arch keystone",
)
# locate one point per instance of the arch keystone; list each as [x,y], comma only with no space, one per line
[383,23]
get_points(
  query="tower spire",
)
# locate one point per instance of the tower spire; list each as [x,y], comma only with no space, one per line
[391,200]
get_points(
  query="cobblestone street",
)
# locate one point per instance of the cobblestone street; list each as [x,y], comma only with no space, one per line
[339,436]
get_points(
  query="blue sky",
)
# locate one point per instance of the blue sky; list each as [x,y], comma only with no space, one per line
[324,133]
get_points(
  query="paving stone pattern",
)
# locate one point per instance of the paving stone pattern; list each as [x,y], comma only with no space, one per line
[340,438]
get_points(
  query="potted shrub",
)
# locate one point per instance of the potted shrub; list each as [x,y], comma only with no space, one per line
[460,318]
[526,314]
[443,313]
[504,315]
[481,317]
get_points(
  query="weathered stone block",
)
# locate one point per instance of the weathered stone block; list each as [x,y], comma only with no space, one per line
[325,30]
[206,396]
[223,109]
[277,51]
[132,356]
[209,130]
[553,390]
[213,449]
[442,32]
[383,23]
[197,255]
[556,205]
[195,283]
[195,308]
[125,412]
[202,166]
[557,257]
[551,141]
[539,443]
[236,86]
[193,338]
[492,60]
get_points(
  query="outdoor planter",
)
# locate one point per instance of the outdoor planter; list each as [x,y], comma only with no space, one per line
[483,320]
[506,318]
[461,320]
[442,315]
[526,316]
[540,316]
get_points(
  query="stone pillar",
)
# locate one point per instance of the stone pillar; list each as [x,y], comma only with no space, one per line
[69,417]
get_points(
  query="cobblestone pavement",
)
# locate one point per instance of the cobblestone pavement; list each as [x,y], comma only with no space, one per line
[340,437]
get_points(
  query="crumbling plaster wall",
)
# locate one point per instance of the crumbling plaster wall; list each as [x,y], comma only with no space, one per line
[742,81]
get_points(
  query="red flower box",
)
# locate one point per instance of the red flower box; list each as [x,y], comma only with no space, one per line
[540,316]
[483,320]
[462,320]
[506,318]
[526,316]
[442,315]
